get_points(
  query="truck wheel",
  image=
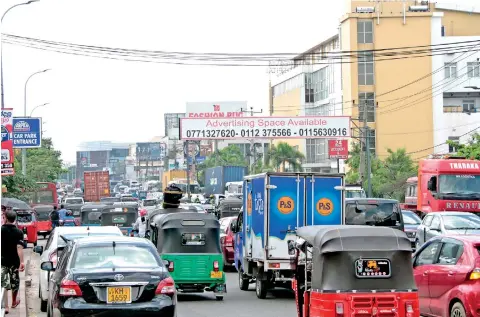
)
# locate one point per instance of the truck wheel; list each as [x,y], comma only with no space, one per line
[242,280]
[458,310]
[261,288]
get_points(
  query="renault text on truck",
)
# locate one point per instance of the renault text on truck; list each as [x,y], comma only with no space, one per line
[274,206]
[445,184]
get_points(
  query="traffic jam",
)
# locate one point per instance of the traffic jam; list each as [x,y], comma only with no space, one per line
[338,252]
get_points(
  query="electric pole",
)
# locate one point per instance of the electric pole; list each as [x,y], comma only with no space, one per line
[253,152]
[367,158]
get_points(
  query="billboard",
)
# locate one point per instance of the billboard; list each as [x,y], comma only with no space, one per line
[311,127]
[219,109]
[27,133]
[338,149]
[172,125]
[150,151]
[7,142]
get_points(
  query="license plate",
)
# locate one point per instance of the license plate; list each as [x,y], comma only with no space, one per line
[216,274]
[119,295]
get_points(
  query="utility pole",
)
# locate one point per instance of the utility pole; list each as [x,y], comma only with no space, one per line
[366,135]
[186,151]
[253,152]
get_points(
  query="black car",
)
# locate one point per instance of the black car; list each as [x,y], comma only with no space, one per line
[110,276]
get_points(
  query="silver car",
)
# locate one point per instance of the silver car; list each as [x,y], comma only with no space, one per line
[447,222]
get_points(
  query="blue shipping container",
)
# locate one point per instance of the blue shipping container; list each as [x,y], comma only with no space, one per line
[217,177]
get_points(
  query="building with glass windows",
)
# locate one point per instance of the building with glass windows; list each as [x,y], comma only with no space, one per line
[411,66]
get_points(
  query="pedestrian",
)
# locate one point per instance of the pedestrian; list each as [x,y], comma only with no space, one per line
[12,258]
[62,213]
[54,217]
[141,223]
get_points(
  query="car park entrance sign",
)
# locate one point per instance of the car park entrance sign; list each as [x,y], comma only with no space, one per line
[311,127]
[27,133]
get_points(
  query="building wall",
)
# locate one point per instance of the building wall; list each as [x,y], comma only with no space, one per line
[458,23]
[289,104]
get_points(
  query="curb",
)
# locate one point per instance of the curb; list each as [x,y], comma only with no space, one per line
[27,283]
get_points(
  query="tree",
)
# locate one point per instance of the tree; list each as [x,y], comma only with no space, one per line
[43,165]
[283,154]
[229,156]
[470,150]
[388,176]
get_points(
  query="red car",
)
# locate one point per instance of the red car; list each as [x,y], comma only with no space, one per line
[226,240]
[447,273]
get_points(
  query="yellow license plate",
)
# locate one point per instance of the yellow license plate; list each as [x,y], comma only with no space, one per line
[216,274]
[119,295]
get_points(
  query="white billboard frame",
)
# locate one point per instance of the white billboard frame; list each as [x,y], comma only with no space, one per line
[247,128]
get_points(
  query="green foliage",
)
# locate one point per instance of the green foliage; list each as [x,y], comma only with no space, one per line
[283,154]
[229,156]
[388,176]
[43,165]
[470,150]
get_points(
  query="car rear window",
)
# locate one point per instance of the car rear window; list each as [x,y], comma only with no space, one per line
[61,242]
[74,201]
[118,256]
[378,213]
[193,239]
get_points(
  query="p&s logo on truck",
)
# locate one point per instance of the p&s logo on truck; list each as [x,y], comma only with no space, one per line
[285,205]
[324,206]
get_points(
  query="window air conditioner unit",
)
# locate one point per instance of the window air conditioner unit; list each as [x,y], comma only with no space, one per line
[365,9]
[422,8]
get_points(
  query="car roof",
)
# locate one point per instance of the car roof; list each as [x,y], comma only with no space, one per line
[468,238]
[455,213]
[107,239]
[85,229]
[367,200]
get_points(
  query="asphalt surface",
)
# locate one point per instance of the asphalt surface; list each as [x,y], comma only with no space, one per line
[236,303]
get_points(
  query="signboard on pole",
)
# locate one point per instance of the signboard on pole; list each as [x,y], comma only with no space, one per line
[27,133]
[150,151]
[216,109]
[7,142]
[310,127]
[338,149]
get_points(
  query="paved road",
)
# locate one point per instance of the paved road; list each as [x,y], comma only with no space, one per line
[236,303]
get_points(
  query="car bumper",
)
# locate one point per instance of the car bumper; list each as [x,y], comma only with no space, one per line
[77,307]
[228,255]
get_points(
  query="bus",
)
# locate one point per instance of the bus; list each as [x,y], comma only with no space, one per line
[45,194]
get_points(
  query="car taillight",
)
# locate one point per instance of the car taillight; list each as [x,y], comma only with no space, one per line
[409,309]
[475,275]
[229,241]
[171,266]
[69,288]
[53,258]
[215,266]
[339,309]
[166,287]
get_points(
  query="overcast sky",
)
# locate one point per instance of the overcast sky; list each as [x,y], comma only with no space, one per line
[97,99]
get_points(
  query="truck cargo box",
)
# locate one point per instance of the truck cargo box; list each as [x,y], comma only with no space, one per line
[217,177]
[97,185]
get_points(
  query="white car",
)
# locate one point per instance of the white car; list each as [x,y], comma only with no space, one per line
[54,246]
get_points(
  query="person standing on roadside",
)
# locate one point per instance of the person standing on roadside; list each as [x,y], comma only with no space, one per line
[12,258]
[54,217]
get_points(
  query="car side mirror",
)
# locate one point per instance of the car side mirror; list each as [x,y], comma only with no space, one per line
[233,227]
[394,216]
[222,240]
[38,249]
[166,263]
[432,184]
[47,266]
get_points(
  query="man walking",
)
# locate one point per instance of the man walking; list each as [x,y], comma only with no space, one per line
[12,258]
[54,217]
[62,213]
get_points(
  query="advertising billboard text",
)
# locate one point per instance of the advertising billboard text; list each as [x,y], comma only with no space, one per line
[150,151]
[7,142]
[216,109]
[338,149]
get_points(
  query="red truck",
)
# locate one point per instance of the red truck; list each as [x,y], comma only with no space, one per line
[97,185]
[444,184]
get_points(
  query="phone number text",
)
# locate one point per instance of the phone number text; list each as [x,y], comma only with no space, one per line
[266,133]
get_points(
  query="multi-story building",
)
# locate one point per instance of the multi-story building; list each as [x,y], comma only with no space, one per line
[405,64]
[311,86]
[403,90]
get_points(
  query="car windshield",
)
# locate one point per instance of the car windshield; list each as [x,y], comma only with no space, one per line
[22,218]
[354,194]
[379,214]
[74,201]
[44,197]
[459,184]
[74,236]
[409,218]
[148,203]
[461,222]
[114,256]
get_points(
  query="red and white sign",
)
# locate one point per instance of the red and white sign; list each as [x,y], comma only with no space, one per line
[338,149]
[7,142]
[219,109]
[310,127]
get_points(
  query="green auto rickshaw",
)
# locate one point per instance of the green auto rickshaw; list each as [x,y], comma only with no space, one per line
[189,244]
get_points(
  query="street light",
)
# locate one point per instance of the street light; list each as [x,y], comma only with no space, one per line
[1,46]
[473,87]
[31,112]
[24,151]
